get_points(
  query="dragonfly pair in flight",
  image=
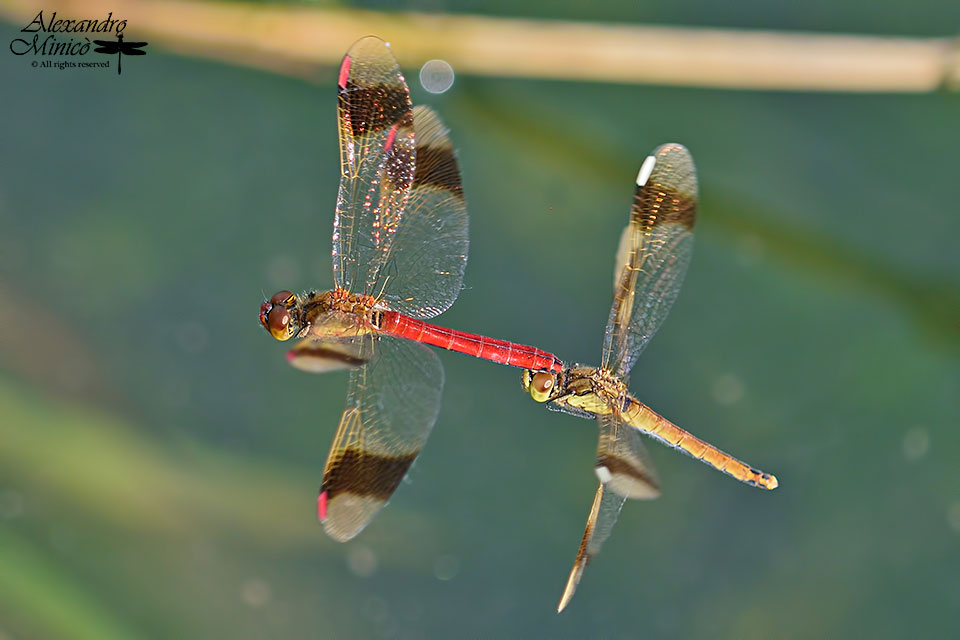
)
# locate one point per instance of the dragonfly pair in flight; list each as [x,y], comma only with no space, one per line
[399,254]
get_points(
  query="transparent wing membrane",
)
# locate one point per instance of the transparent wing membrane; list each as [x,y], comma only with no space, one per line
[423,270]
[377,159]
[603,515]
[400,230]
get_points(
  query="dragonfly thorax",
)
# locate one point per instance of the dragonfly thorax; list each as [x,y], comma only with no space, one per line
[589,390]
[339,300]
[607,384]
[339,313]
[286,315]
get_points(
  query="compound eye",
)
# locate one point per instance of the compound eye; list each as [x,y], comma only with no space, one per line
[278,323]
[282,297]
[541,385]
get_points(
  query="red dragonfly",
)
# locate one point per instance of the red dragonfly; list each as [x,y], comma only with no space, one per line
[399,253]
[652,259]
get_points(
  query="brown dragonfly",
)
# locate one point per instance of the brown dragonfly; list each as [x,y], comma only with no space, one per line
[652,259]
[399,254]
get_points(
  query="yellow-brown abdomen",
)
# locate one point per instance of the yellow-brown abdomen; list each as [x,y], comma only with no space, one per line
[642,417]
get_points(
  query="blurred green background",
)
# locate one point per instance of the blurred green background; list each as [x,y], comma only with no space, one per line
[158,476]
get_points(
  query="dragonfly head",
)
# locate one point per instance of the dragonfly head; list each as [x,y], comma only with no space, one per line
[541,385]
[280,315]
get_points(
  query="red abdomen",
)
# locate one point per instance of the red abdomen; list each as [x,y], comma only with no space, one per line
[516,355]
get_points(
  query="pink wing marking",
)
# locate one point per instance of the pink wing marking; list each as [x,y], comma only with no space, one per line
[322,506]
[344,72]
[391,136]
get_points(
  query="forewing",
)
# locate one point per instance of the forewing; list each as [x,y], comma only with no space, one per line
[623,463]
[392,404]
[424,269]
[603,515]
[654,253]
[377,160]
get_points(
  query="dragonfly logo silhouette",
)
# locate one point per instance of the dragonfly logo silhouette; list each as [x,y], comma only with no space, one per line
[120,48]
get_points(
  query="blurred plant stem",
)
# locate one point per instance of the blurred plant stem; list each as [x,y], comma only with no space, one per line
[294,40]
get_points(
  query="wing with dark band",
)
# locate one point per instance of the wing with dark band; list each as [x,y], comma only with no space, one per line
[392,405]
[377,160]
[654,253]
[423,268]
[625,470]
[319,355]
[623,463]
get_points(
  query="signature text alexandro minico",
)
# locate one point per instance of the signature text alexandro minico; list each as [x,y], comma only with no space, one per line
[50,45]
